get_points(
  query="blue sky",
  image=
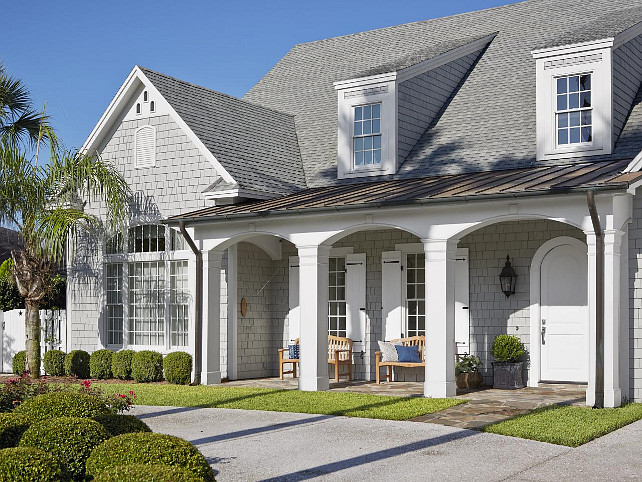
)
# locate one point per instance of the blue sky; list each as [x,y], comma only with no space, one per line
[75,55]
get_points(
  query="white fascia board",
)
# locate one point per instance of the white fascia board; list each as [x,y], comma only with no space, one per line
[118,103]
[231,193]
[361,81]
[635,165]
[627,35]
[572,48]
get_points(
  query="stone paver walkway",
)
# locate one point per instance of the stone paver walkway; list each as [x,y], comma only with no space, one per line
[485,406]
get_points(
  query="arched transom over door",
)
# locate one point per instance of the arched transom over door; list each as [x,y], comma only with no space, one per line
[564,329]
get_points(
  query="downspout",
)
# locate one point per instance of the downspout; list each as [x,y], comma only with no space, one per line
[599,301]
[198,304]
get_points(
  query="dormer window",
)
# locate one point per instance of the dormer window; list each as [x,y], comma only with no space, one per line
[367,135]
[574,110]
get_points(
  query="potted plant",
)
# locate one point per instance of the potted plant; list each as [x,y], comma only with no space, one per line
[467,371]
[507,369]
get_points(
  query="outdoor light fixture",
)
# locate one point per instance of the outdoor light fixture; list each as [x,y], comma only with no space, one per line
[507,278]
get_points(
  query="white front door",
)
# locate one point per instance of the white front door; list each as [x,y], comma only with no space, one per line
[564,320]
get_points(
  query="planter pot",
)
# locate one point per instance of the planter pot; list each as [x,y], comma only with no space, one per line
[507,375]
[469,380]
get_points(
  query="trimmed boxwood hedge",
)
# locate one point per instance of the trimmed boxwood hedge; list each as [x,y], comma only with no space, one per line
[61,404]
[148,449]
[120,424]
[147,473]
[12,426]
[19,364]
[28,463]
[100,364]
[69,439]
[177,367]
[77,363]
[121,364]
[54,363]
[147,366]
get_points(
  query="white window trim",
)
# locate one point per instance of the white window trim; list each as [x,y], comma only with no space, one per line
[138,165]
[597,62]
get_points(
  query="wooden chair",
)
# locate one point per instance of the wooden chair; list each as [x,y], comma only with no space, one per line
[283,361]
[339,354]
[420,341]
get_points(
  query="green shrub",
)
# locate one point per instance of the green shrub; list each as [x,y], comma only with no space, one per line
[27,463]
[120,424]
[147,366]
[148,449]
[77,363]
[10,298]
[12,426]
[507,348]
[69,439]
[100,364]
[177,368]
[54,362]
[61,404]
[121,364]
[147,473]
[19,362]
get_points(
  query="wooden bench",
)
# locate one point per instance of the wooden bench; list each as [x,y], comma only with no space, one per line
[420,341]
[339,354]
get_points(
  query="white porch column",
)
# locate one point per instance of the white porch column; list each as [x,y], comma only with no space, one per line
[211,366]
[440,318]
[592,300]
[612,244]
[313,300]
[232,312]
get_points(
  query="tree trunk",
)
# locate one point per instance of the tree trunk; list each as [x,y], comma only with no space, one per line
[32,334]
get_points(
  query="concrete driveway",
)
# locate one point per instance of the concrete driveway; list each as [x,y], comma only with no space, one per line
[254,445]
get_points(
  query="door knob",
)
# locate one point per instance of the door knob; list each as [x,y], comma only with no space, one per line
[543,335]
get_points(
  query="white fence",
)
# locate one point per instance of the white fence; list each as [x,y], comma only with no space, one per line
[12,329]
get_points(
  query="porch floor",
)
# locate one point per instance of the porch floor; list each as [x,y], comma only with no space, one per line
[485,405]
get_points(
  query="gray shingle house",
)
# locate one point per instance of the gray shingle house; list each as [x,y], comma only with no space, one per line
[371,186]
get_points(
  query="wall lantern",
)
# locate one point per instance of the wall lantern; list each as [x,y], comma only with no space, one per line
[507,278]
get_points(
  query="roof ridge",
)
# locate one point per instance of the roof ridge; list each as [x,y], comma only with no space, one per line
[428,20]
[223,94]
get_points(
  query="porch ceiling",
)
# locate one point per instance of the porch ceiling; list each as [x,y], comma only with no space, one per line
[533,181]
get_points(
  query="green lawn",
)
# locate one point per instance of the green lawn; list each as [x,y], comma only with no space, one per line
[326,403]
[571,426]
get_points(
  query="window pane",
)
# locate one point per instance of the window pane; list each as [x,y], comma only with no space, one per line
[574,135]
[367,127]
[376,111]
[357,128]
[367,143]
[574,119]
[357,113]
[367,157]
[585,99]
[586,134]
[585,82]
[573,101]
[358,158]
[573,84]
[377,142]
[358,144]
[562,120]
[561,85]
[586,117]
[367,112]
[561,102]
[562,136]
[376,157]
[376,127]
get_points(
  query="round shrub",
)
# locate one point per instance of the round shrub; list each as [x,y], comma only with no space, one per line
[54,362]
[77,363]
[28,463]
[19,365]
[148,449]
[507,348]
[121,364]
[61,404]
[69,439]
[147,366]
[120,424]
[147,473]
[12,426]
[100,364]
[177,367]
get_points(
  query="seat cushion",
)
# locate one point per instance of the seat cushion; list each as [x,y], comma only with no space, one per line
[408,354]
[293,352]
[388,352]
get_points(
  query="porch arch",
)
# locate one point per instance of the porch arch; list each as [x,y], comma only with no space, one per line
[332,239]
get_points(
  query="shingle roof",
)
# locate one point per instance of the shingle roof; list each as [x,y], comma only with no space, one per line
[446,188]
[256,145]
[489,123]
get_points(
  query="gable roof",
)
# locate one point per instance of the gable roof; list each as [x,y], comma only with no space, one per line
[256,145]
[487,124]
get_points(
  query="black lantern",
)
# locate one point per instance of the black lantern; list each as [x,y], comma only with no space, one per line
[507,278]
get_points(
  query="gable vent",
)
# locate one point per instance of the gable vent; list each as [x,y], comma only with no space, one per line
[145,146]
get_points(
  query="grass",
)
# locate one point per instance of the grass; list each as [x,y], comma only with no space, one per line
[568,425]
[326,403]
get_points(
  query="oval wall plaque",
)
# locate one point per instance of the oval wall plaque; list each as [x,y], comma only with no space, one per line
[243,306]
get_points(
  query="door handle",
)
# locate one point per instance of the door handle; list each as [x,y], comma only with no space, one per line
[543,332]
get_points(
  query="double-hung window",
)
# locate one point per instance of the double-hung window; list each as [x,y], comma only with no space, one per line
[337,317]
[574,112]
[367,136]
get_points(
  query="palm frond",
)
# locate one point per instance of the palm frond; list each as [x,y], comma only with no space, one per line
[54,227]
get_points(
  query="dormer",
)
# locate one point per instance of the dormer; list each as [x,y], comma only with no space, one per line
[584,92]
[383,113]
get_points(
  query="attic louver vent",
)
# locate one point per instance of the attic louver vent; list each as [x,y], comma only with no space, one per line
[145,146]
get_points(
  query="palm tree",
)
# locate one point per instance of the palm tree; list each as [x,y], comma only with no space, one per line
[46,204]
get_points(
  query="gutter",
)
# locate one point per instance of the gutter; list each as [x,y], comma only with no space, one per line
[198,305]
[599,301]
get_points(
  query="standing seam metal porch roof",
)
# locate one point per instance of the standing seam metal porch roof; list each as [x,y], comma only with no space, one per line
[453,187]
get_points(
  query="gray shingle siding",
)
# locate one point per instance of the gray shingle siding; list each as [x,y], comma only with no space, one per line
[627,75]
[421,98]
